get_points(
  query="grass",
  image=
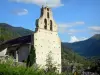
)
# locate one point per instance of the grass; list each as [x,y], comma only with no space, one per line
[9,68]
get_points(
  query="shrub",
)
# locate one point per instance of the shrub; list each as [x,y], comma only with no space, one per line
[31,57]
[8,68]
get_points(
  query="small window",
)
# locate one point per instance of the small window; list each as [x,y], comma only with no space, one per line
[45,22]
[48,15]
[50,25]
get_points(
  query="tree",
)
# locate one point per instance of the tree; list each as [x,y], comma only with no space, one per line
[32,57]
[49,63]
[1,38]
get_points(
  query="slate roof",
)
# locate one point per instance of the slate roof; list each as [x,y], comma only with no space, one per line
[24,39]
[19,40]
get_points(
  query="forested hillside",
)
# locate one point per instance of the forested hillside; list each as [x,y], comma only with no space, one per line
[8,32]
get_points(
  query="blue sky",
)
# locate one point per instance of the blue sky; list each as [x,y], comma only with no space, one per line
[77,19]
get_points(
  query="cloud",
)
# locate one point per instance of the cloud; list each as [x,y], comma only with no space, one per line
[75,39]
[74,30]
[79,23]
[50,3]
[71,24]
[61,30]
[70,31]
[63,27]
[20,12]
[94,29]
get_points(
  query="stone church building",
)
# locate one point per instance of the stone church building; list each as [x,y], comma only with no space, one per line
[45,39]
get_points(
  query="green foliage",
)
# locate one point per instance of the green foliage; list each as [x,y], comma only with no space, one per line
[49,63]
[49,60]
[72,58]
[2,38]
[32,57]
[8,32]
[8,68]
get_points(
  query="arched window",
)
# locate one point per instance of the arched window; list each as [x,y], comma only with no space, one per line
[45,23]
[47,9]
[50,25]
[47,14]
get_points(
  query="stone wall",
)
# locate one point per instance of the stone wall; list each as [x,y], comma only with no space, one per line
[23,53]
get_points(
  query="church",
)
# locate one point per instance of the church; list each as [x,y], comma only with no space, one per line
[45,39]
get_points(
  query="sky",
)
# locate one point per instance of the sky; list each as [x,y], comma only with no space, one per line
[77,20]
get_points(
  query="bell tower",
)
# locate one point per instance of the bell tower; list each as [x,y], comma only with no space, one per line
[46,39]
[46,21]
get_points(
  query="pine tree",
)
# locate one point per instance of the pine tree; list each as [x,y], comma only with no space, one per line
[31,58]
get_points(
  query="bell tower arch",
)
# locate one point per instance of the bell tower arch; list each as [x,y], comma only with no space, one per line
[46,20]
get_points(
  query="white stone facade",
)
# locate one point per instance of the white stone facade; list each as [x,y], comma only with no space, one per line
[3,52]
[46,39]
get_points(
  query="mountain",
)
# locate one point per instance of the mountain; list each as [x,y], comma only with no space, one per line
[88,48]
[8,32]
[71,56]
[96,36]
